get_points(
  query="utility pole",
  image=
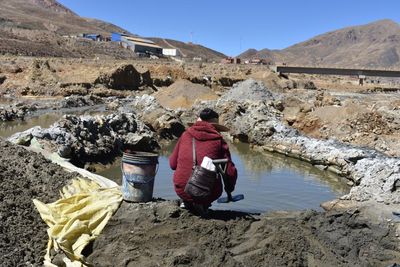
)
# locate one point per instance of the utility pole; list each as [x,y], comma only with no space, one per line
[191,37]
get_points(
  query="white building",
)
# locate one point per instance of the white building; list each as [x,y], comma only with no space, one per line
[171,52]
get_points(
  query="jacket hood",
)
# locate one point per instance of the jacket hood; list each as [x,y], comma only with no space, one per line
[203,131]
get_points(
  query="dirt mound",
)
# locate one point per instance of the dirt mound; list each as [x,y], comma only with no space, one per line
[25,175]
[125,77]
[42,73]
[248,90]
[161,234]
[183,93]
[163,71]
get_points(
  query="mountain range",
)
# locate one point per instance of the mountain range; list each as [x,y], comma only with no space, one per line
[36,27]
[374,45]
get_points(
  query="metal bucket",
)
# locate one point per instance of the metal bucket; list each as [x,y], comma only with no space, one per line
[138,172]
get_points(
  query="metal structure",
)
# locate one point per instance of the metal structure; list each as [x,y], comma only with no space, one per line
[338,71]
[137,44]
[360,73]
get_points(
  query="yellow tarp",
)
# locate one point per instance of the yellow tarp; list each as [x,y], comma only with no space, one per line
[78,218]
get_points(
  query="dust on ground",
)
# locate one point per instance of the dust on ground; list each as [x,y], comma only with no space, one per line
[162,234]
[24,176]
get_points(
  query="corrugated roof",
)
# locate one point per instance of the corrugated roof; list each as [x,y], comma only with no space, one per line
[139,39]
[145,44]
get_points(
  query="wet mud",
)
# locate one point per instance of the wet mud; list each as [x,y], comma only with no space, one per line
[162,234]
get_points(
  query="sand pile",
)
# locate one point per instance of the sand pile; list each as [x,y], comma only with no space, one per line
[183,94]
[25,175]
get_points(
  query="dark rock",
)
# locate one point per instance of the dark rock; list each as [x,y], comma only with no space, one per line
[2,79]
[125,77]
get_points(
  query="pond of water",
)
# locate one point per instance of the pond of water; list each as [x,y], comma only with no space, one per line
[268,181]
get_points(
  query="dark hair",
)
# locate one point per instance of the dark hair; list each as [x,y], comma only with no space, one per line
[208,114]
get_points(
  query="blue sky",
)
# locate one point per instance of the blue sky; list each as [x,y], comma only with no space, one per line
[234,26]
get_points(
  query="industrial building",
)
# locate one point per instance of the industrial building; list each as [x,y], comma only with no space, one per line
[95,37]
[138,45]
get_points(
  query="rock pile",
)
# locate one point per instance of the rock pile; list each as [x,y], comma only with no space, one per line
[80,101]
[93,139]
[248,90]
[15,112]
[165,122]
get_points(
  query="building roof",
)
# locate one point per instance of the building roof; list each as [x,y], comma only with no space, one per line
[144,44]
[136,39]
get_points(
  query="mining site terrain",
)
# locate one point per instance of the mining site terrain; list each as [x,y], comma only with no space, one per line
[330,123]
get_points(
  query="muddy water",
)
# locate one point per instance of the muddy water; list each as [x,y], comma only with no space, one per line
[268,181]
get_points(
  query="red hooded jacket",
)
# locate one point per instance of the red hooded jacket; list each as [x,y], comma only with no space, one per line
[208,143]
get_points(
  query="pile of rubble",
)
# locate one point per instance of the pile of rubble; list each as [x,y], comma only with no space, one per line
[92,139]
[16,112]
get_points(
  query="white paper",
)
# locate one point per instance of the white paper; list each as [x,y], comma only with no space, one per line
[208,164]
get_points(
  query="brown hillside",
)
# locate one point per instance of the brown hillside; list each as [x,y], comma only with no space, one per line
[36,27]
[375,45]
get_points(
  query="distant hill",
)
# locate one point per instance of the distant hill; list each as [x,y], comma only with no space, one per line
[47,15]
[375,45]
[36,27]
[189,50]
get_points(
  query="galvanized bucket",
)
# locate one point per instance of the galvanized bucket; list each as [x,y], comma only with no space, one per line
[138,172]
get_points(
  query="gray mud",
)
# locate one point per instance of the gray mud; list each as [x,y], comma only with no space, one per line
[162,234]
[25,175]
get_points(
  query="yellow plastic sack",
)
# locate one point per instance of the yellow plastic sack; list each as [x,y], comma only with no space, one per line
[78,218]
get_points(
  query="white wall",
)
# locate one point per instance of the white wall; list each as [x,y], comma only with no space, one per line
[172,52]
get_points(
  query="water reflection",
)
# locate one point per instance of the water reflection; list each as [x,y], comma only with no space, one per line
[268,181]
[261,163]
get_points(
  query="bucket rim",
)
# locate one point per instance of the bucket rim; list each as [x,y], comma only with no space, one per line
[140,154]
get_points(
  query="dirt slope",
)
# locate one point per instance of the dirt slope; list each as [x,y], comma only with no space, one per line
[183,93]
[374,45]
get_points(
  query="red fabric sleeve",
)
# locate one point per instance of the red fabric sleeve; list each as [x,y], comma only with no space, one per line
[230,169]
[173,159]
